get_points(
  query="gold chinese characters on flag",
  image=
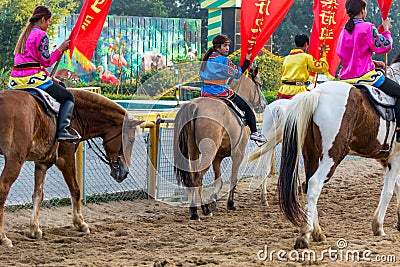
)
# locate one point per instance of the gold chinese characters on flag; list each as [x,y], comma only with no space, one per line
[329,19]
[87,30]
[258,20]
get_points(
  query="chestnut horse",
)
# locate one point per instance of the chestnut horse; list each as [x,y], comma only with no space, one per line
[205,132]
[27,133]
[326,124]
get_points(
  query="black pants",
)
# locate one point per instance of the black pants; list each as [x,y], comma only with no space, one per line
[60,93]
[392,88]
[248,112]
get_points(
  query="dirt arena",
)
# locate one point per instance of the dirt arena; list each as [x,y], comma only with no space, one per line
[151,233]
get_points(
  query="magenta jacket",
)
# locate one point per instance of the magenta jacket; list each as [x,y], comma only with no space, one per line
[356,49]
[36,50]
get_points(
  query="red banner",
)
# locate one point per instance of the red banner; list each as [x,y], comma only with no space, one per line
[87,30]
[329,20]
[384,6]
[258,20]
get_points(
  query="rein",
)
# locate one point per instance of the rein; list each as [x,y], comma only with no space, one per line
[99,153]
[102,156]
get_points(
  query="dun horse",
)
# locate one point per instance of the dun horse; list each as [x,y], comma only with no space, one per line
[206,132]
[28,134]
[326,124]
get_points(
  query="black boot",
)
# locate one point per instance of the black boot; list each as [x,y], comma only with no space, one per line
[398,134]
[64,120]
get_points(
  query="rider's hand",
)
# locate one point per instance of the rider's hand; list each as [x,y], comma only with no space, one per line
[379,64]
[248,56]
[64,46]
[386,24]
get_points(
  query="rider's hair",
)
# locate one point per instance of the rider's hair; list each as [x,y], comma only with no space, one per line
[353,8]
[38,13]
[217,42]
[301,39]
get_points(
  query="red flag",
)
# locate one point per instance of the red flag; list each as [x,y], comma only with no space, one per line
[87,30]
[384,6]
[258,20]
[329,20]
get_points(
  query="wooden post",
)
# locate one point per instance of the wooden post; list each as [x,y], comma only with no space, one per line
[153,155]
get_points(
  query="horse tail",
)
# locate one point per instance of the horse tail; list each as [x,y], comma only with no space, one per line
[298,118]
[275,121]
[184,132]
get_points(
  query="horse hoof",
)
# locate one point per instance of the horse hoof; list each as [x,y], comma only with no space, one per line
[379,232]
[85,229]
[195,217]
[264,202]
[6,242]
[37,235]
[231,205]
[319,237]
[301,243]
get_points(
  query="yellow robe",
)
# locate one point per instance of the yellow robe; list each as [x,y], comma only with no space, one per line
[296,68]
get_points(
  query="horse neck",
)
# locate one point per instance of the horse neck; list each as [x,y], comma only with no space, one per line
[96,119]
[245,88]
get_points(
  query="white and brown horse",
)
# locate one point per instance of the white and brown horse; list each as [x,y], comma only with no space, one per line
[326,124]
[205,132]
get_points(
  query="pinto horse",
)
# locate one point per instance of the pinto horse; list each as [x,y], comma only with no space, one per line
[205,132]
[326,124]
[27,133]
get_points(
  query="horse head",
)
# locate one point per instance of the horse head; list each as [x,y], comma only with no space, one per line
[118,146]
[250,89]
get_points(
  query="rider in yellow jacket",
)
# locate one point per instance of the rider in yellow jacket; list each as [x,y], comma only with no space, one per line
[297,66]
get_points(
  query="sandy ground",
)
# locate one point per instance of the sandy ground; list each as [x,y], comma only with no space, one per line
[151,233]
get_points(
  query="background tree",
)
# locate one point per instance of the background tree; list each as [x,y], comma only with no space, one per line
[13,18]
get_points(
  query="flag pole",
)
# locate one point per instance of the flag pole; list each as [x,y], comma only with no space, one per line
[53,71]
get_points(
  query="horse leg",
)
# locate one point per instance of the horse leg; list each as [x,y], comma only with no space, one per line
[235,170]
[8,176]
[217,182]
[194,216]
[397,190]
[389,182]
[266,165]
[66,164]
[37,198]
[315,185]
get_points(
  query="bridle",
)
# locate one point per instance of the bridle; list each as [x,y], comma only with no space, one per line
[99,153]
[102,156]
[257,93]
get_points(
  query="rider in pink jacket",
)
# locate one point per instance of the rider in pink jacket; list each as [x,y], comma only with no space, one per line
[358,41]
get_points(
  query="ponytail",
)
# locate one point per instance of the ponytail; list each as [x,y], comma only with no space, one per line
[349,25]
[20,47]
[205,58]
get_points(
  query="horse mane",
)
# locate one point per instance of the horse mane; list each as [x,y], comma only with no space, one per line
[93,101]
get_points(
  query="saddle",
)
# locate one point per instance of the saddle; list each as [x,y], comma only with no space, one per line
[382,102]
[239,114]
[48,103]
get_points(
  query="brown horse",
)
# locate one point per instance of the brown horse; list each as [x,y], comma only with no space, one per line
[27,133]
[205,132]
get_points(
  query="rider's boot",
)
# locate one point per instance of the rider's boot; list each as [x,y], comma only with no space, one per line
[64,120]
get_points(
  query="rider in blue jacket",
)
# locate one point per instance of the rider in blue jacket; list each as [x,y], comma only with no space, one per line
[215,79]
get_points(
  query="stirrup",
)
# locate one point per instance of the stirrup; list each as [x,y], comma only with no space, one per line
[66,136]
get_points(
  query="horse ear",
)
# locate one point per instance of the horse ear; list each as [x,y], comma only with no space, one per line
[255,72]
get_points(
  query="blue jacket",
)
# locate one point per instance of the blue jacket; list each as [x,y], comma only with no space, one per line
[215,75]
